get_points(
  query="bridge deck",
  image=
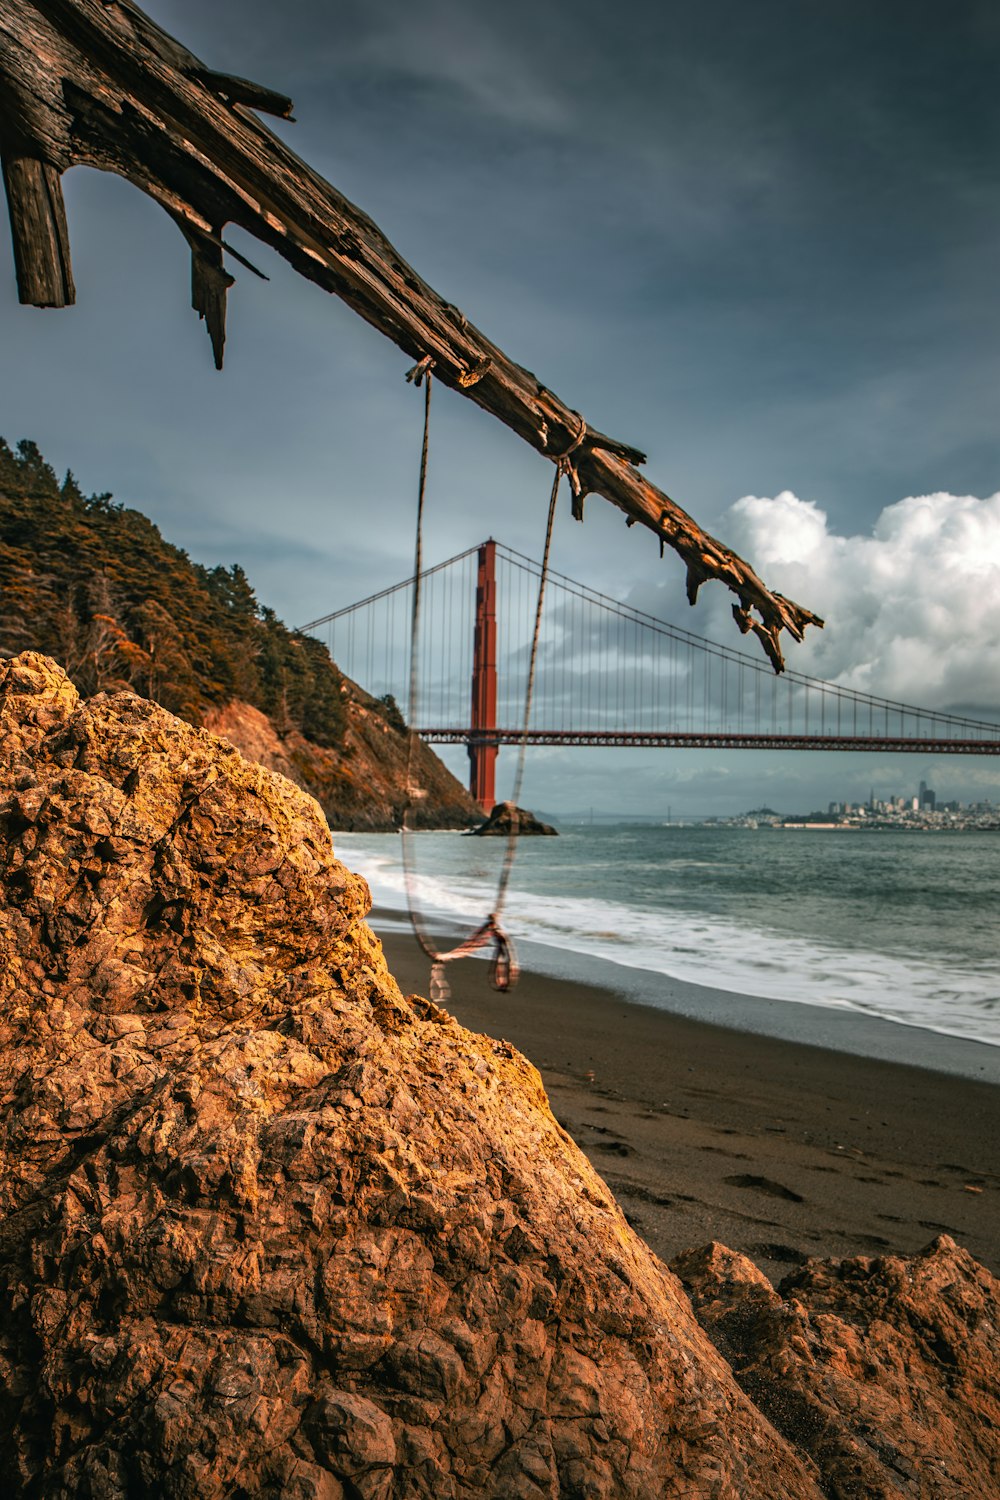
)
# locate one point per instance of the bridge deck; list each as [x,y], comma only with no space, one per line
[683,740]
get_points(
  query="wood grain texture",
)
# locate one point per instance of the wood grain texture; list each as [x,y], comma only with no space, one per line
[99,84]
[39,232]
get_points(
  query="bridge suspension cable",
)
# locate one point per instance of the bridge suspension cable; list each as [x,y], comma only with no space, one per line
[612,674]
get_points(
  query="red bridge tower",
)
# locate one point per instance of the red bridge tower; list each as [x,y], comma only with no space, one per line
[483,751]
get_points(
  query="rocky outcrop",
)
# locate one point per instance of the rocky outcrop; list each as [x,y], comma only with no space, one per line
[270,1228]
[267,1226]
[361,785]
[503,819]
[885,1372]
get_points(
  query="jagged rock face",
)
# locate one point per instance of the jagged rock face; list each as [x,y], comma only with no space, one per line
[886,1371]
[267,1226]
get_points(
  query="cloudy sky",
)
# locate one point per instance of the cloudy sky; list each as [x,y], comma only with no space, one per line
[760,241]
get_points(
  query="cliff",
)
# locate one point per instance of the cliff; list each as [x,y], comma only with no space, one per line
[361,783]
[269,1227]
[94,584]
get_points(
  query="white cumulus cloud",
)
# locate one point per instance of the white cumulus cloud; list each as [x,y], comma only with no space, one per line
[912,610]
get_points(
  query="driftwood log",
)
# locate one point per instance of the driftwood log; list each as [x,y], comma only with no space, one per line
[97,83]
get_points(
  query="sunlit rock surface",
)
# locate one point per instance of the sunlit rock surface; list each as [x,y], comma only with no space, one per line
[268,1226]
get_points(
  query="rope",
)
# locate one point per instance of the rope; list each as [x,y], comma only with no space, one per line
[563,466]
[508,863]
[581,433]
[504,970]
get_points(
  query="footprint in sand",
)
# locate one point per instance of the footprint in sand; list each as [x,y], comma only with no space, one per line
[764,1185]
[621,1187]
[786,1254]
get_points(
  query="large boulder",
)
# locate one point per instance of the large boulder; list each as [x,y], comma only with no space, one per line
[267,1226]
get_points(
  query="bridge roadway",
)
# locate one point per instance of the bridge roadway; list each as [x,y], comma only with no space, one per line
[685,740]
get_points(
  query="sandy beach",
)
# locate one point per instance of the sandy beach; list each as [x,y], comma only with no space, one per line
[778,1148]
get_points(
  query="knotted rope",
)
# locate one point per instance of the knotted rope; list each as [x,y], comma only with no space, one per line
[504,970]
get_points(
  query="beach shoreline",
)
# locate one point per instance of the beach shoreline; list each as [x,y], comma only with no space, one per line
[844,1028]
[887,955]
[781,1146]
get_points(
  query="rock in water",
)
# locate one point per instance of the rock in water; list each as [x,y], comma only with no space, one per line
[269,1227]
[501,821]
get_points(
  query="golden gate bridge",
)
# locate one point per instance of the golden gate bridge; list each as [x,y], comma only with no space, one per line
[608,674]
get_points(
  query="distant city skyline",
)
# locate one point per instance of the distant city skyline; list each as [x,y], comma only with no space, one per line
[924,798]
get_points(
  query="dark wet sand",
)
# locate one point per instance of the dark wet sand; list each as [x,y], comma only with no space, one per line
[779,1149]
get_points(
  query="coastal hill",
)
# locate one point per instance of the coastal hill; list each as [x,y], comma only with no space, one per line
[94,585]
[272,1227]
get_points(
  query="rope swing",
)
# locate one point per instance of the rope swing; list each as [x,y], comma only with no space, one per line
[504,969]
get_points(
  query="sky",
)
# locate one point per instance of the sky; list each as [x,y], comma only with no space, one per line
[760,242]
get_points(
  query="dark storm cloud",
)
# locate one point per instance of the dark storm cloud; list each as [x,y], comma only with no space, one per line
[770,229]
[758,240]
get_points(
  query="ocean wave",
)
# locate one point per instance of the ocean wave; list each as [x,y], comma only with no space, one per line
[699,948]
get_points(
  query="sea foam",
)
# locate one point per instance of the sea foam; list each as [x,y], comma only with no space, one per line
[691,946]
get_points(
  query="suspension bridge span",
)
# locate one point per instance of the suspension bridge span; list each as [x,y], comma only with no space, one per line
[608,674]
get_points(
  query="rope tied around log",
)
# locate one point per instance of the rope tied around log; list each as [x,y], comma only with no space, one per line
[504,968]
[415,376]
[564,465]
[563,458]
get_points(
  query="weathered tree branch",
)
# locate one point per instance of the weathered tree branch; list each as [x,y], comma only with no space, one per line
[39,232]
[96,82]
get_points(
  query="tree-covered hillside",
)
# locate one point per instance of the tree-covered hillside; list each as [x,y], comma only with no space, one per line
[94,585]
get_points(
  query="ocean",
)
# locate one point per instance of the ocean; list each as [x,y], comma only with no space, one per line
[896,925]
